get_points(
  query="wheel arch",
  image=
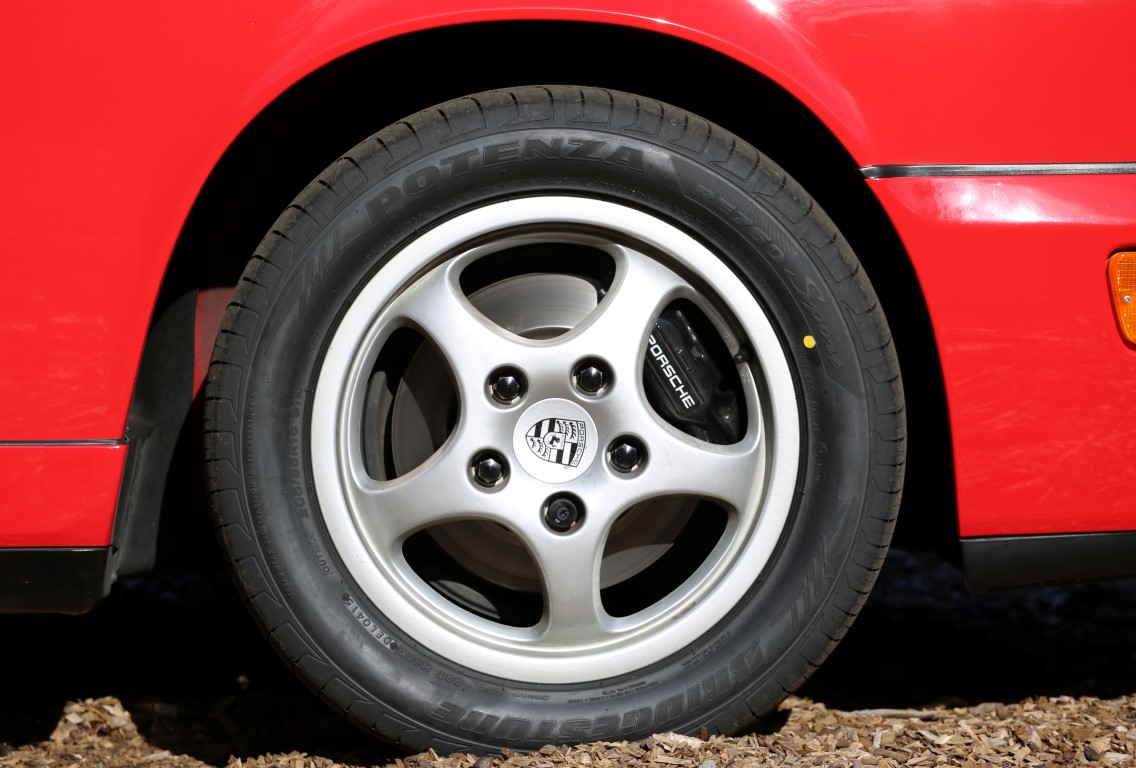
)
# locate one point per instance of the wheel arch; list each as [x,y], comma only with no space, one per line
[322,115]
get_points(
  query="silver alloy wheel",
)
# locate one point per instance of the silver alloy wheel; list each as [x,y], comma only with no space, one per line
[369,520]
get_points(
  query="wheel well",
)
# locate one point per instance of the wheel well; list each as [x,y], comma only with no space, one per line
[334,108]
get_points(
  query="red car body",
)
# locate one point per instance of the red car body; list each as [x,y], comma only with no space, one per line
[996,138]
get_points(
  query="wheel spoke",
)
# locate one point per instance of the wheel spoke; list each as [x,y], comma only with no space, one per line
[470,343]
[570,566]
[682,465]
[438,491]
[618,329]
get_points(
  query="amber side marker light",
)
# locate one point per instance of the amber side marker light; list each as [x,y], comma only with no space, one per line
[1122,286]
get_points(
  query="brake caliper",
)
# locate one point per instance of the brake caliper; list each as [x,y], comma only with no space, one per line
[685,385]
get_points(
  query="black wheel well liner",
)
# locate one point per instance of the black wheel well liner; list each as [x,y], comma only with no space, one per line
[335,107]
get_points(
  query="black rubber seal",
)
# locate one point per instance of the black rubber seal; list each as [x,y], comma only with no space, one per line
[999,562]
[50,580]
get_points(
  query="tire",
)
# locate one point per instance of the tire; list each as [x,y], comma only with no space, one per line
[465,495]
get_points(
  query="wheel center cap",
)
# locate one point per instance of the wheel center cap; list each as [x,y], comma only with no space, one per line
[555,440]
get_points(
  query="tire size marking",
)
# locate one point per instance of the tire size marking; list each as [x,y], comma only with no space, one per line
[317,553]
[249,431]
[380,634]
[803,370]
[251,479]
[295,473]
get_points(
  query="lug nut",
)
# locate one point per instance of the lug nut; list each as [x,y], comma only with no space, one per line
[561,514]
[488,470]
[626,454]
[590,379]
[506,388]
[506,385]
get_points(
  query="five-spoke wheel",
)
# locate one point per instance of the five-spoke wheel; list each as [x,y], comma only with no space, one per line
[553,414]
[477,504]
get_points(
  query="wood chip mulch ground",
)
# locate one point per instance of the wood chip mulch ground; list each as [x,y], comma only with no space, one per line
[1036,732]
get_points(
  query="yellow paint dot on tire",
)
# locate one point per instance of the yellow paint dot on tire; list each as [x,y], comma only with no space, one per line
[810,342]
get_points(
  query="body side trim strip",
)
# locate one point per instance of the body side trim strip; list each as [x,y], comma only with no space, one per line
[58,443]
[1025,169]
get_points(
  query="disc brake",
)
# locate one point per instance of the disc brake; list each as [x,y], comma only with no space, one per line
[685,385]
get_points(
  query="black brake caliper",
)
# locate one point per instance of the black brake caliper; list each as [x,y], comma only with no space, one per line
[685,385]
